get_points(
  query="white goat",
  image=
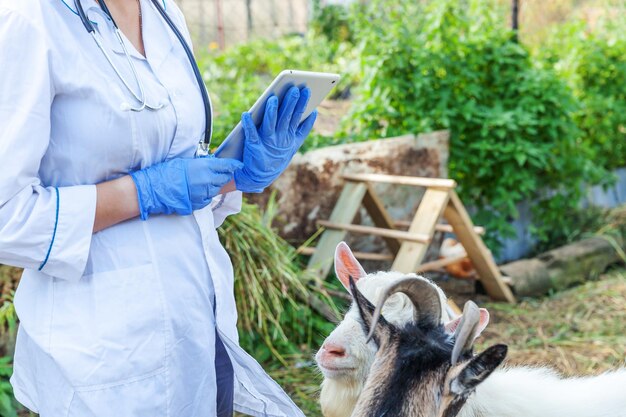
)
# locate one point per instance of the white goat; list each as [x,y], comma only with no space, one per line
[345,357]
[420,370]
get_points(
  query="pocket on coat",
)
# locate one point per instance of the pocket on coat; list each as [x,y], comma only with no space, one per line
[143,396]
[109,326]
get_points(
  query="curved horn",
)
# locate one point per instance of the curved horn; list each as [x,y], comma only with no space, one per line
[465,331]
[422,294]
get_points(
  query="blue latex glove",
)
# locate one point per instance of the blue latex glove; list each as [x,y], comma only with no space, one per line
[269,149]
[182,185]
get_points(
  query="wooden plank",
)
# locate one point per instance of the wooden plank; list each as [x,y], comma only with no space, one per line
[344,212]
[380,216]
[439,263]
[376,231]
[481,257]
[446,228]
[438,183]
[428,213]
[359,255]
[405,224]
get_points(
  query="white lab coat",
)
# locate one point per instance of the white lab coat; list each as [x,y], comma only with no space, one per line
[118,323]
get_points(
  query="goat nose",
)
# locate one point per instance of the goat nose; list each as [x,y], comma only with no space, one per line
[333,349]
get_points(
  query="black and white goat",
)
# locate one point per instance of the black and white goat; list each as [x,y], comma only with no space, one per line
[345,357]
[421,370]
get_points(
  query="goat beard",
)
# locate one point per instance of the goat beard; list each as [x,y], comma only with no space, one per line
[339,396]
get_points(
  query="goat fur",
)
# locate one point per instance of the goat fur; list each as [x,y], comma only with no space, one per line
[486,391]
[541,392]
[339,394]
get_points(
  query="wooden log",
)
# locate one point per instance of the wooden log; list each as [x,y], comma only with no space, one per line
[562,267]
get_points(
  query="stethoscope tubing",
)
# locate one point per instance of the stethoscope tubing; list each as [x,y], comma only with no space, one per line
[203,147]
[208,108]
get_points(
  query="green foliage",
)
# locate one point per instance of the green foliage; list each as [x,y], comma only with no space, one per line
[594,65]
[275,321]
[453,65]
[8,317]
[333,22]
[8,406]
[580,224]
[521,124]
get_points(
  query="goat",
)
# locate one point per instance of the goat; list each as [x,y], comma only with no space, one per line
[345,358]
[421,370]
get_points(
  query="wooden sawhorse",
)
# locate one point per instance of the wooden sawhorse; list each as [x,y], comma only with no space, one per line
[407,248]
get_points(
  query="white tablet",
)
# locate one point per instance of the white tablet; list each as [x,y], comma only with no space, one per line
[319,83]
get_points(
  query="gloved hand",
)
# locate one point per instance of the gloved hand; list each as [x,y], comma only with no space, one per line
[182,185]
[269,149]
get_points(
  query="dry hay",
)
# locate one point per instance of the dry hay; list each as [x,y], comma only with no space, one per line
[579,331]
[9,277]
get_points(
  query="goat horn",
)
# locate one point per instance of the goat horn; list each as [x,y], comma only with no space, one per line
[422,294]
[465,331]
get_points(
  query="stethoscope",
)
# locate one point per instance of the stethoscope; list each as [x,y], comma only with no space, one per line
[203,146]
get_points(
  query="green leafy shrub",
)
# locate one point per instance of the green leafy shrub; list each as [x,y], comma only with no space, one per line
[452,65]
[334,23]
[8,332]
[8,405]
[594,65]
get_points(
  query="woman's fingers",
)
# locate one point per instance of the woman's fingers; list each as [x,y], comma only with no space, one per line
[217,182]
[199,168]
[305,95]
[268,126]
[285,114]
[305,127]
[249,129]
[220,180]
[224,165]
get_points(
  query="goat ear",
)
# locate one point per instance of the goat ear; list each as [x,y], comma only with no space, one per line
[347,266]
[382,328]
[477,369]
[482,323]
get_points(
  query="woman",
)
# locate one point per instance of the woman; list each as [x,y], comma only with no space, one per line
[126,303]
